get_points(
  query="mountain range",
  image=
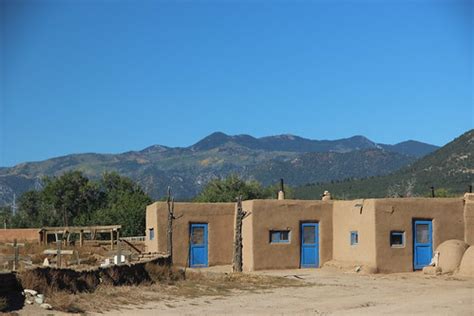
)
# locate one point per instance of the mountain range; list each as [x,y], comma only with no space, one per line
[450,168]
[187,169]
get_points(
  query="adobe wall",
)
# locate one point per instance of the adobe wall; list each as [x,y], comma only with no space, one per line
[285,215]
[356,215]
[152,222]
[218,216]
[469,218]
[398,215]
[21,234]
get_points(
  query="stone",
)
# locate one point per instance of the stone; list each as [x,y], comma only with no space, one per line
[117,261]
[105,264]
[46,306]
[39,299]
[30,292]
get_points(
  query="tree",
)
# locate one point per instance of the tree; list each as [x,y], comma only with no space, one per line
[30,211]
[73,199]
[228,189]
[124,203]
[5,216]
[239,217]
[171,218]
[442,193]
[71,196]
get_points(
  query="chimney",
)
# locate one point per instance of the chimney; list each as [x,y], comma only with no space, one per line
[326,196]
[281,193]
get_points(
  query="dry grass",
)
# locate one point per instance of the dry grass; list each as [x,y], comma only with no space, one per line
[105,298]
[161,274]
[213,284]
[170,288]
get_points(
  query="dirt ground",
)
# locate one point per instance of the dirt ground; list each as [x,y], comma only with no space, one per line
[333,292]
[327,291]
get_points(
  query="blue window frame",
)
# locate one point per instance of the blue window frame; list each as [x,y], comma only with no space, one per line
[152,233]
[354,238]
[279,236]
[397,239]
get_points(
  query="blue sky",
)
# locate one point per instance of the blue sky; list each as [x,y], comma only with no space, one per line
[112,76]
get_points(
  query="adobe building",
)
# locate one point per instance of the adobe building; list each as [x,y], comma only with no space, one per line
[384,235]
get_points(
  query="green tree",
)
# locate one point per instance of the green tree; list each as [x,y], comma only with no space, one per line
[5,216]
[228,189]
[31,212]
[73,199]
[443,193]
[125,204]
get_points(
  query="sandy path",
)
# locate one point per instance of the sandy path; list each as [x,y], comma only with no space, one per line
[335,293]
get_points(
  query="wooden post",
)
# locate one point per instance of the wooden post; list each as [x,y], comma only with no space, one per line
[119,252]
[111,240]
[66,238]
[58,254]
[15,254]
[78,260]
[170,202]
[81,238]
[239,216]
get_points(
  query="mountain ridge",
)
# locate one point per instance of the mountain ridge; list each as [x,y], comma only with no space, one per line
[451,167]
[188,169]
[289,142]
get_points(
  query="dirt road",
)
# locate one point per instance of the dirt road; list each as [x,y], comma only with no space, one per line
[332,292]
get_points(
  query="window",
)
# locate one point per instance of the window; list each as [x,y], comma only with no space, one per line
[354,238]
[397,239]
[309,235]
[197,236]
[152,233]
[422,233]
[279,236]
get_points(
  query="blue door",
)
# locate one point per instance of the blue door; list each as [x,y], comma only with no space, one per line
[198,245]
[309,245]
[422,243]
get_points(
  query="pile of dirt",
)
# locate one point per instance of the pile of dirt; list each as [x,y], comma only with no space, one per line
[48,280]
